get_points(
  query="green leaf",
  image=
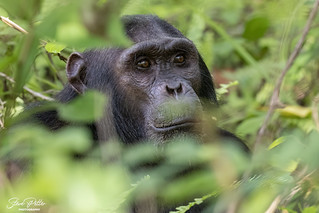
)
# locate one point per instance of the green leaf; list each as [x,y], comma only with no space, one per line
[295,111]
[311,209]
[86,108]
[224,88]
[71,139]
[197,201]
[250,126]
[256,28]
[53,47]
[277,142]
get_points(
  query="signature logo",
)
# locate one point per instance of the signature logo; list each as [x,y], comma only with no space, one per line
[28,204]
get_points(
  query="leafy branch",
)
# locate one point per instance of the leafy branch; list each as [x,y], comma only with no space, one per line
[275,101]
[34,93]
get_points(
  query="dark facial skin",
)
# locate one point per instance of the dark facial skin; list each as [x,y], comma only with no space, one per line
[164,78]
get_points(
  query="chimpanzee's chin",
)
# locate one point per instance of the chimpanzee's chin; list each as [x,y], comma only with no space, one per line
[165,134]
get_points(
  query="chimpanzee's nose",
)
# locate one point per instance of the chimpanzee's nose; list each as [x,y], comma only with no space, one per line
[174,89]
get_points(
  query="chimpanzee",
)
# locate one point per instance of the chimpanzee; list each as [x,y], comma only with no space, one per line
[144,83]
[161,70]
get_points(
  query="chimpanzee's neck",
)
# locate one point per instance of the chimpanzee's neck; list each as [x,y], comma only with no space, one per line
[67,94]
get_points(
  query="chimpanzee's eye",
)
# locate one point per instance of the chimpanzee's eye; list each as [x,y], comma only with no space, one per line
[144,63]
[179,59]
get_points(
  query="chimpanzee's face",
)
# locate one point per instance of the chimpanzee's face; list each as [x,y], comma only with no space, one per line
[155,88]
[162,78]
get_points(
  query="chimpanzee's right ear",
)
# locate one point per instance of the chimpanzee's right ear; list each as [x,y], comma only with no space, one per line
[76,72]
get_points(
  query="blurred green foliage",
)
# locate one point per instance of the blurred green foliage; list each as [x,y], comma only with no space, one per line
[244,41]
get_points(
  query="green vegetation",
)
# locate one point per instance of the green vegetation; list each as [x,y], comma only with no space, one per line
[246,42]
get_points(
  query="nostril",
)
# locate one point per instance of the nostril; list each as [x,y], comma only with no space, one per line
[174,90]
[169,90]
[179,89]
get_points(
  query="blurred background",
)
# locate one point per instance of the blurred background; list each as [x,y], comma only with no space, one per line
[245,44]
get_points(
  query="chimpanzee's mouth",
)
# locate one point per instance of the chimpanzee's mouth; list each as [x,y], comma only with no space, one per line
[175,125]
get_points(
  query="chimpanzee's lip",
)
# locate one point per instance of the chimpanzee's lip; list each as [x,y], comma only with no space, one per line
[176,124]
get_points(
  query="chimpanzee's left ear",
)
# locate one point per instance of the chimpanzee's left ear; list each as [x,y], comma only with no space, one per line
[76,71]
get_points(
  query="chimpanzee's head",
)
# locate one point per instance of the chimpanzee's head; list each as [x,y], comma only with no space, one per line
[157,86]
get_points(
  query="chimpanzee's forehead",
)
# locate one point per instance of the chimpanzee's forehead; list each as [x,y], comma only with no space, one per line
[161,46]
[165,44]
